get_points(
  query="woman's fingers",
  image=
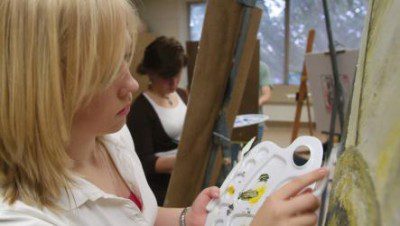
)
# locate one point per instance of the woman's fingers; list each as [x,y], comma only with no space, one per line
[204,198]
[302,204]
[211,192]
[296,185]
[305,191]
[310,219]
[292,204]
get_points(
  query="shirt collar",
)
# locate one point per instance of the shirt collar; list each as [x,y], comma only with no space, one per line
[82,190]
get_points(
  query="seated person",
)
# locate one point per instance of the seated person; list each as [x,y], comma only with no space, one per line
[157,116]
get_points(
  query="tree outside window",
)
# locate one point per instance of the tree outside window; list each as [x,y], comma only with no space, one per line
[347,18]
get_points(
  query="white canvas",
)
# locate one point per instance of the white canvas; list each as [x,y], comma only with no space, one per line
[321,84]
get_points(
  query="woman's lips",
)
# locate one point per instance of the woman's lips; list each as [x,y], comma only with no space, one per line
[124,111]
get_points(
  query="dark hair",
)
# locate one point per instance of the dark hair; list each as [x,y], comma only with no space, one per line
[164,57]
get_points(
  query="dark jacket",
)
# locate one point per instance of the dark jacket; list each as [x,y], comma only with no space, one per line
[149,138]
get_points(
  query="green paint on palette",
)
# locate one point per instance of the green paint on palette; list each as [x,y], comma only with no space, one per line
[246,195]
[263,178]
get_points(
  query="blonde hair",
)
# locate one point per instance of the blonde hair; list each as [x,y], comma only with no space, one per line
[54,55]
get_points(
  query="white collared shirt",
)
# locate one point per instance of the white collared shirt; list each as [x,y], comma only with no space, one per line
[89,205]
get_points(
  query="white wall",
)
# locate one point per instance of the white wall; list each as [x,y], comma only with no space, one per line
[285,112]
[169,18]
[282,105]
[166,17]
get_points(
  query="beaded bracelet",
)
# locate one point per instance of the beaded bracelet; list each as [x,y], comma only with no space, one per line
[182,217]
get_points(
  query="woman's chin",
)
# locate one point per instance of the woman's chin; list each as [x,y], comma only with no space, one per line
[116,127]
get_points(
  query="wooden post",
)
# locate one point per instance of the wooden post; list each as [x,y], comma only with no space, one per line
[287,43]
[249,103]
[303,91]
[213,66]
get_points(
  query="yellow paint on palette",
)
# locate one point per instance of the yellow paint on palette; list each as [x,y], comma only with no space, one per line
[230,190]
[260,192]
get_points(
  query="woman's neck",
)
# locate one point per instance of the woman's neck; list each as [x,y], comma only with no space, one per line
[81,149]
[158,92]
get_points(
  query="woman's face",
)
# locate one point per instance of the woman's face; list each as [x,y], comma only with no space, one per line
[165,85]
[107,111]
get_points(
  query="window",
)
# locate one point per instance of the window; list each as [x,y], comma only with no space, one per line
[347,19]
[197,13]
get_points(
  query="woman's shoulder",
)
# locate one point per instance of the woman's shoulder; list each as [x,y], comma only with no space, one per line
[141,107]
[20,213]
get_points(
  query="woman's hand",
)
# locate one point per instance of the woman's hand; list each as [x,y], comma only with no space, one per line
[197,214]
[287,207]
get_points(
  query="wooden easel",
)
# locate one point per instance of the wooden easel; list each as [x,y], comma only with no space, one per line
[249,103]
[302,95]
[211,75]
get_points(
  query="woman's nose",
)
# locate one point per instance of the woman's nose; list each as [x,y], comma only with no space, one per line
[132,84]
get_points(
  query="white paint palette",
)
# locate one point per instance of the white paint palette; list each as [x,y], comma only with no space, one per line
[264,169]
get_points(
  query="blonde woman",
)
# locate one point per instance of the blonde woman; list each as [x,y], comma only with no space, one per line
[66,156]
